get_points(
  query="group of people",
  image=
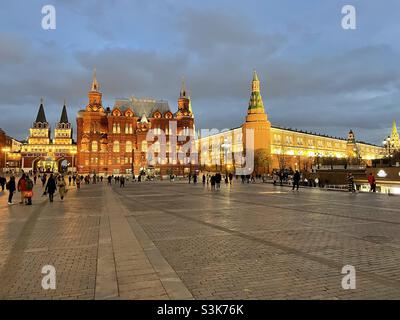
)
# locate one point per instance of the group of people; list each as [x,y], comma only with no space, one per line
[26,183]
[212,179]
[24,186]
[121,180]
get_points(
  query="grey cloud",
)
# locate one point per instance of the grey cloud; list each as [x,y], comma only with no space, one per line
[208,32]
[122,72]
[12,49]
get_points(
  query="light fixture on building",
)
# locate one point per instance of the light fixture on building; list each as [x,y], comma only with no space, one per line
[381,174]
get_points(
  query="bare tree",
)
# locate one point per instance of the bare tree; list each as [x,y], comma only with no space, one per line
[261,161]
[282,157]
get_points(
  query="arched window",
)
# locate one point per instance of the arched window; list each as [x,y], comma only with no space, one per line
[95,146]
[144,146]
[116,146]
[128,146]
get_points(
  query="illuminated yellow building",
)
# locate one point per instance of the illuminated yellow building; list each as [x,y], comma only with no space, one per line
[41,153]
[277,148]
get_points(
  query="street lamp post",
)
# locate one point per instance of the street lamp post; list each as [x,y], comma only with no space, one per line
[133,161]
[73,152]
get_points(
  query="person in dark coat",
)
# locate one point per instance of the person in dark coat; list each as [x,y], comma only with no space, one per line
[213,182]
[44,179]
[11,187]
[2,182]
[51,187]
[296,180]
[218,179]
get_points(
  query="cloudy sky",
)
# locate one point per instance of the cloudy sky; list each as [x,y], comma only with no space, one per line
[314,74]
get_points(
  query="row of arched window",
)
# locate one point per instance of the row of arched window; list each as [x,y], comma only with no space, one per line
[129,146]
[156,114]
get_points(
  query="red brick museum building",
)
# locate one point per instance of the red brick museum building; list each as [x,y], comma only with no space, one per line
[114,141]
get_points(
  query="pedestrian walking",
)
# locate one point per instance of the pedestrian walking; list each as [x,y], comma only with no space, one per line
[372,182]
[28,194]
[10,186]
[62,187]
[230,178]
[296,180]
[2,182]
[51,187]
[274,178]
[213,182]
[122,182]
[204,179]
[69,180]
[44,179]
[21,187]
[218,179]
[350,181]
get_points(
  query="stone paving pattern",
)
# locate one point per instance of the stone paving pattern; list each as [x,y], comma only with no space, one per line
[178,241]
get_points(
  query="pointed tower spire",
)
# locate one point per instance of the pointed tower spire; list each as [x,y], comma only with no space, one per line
[183,88]
[95,96]
[256,104]
[394,137]
[64,115]
[95,84]
[41,117]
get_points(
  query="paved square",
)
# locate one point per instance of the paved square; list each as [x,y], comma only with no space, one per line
[162,240]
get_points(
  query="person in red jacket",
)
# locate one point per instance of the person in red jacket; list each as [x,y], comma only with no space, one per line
[21,187]
[372,182]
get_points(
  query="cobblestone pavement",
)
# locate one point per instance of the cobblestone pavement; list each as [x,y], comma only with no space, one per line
[179,241]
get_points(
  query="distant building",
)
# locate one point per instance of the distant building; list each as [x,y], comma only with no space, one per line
[274,147]
[10,152]
[115,141]
[41,152]
[14,153]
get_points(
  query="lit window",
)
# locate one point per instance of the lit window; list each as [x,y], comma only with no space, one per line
[128,147]
[116,146]
[94,146]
